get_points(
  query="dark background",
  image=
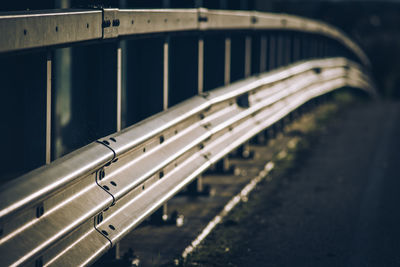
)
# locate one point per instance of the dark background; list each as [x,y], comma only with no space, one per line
[374,25]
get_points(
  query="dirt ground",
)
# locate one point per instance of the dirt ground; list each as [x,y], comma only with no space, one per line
[332,201]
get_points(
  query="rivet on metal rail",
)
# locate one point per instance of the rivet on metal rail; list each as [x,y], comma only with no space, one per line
[110,23]
[106,24]
[115,22]
[207,155]
[203,19]
[207,125]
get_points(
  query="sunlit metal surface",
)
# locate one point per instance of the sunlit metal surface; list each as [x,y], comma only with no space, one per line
[33,29]
[73,210]
[39,29]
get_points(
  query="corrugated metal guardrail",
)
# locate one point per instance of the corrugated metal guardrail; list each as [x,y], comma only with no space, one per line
[75,209]
[37,29]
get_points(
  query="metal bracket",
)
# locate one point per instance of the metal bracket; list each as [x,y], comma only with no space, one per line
[110,23]
[97,220]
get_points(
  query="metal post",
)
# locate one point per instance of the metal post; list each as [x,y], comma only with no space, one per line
[200,186]
[165,84]
[227,74]
[196,188]
[263,54]
[165,212]
[119,87]
[247,57]
[117,250]
[223,164]
[119,118]
[165,102]
[48,107]
[200,73]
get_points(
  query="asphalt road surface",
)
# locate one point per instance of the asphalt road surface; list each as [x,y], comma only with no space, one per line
[340,208]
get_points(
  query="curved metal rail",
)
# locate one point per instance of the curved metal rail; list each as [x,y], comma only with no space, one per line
[50,28]
[75,209]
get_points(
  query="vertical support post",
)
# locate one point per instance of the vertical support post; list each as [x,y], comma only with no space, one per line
[165,101]
[247,59]
[200,73]
[124,70]
[196,188]
[119,87]
[48,106]
[165,212]
[165,80]
[200,186]
[227,74]
[117,249]
[263,54]
[200,88]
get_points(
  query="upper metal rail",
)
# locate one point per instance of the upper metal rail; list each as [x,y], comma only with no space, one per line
[62,27]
